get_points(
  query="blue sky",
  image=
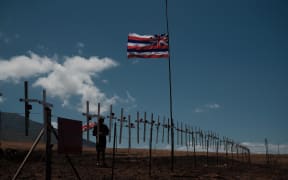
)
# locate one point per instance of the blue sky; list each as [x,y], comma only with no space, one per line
[229,61]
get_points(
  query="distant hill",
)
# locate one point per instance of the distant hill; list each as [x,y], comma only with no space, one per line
[12,128]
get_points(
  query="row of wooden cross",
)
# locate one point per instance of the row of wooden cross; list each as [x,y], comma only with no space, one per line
[193,136]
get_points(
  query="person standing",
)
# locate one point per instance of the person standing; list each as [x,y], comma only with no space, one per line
[101,144]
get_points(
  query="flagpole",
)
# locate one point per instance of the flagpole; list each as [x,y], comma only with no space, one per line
[170,90]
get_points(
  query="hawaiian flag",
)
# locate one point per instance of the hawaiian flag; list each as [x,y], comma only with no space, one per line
[90,126]
[147,46]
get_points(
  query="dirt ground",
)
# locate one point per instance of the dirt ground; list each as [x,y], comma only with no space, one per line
[135,165]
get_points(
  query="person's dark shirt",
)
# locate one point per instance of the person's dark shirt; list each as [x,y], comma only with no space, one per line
[104,131]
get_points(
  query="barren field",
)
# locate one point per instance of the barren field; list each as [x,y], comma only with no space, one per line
[135,165]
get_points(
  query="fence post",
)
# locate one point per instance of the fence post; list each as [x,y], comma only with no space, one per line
[158,124]
[181,131]
[27,113]
[168,129]
[194,146]
[129,133]
[207,148]
[121,126]
[177,129]
[48,143]
[110,122]
[163,130]
[87,120]
[150,144]
[144,136]
[267,151]
[98,124]
[217,152]
[114,148]
[186,136]
[138,119]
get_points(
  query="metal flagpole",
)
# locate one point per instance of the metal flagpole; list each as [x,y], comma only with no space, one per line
[170,90]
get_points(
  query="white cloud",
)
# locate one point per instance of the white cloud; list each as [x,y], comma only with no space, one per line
[16,36]
[6,38]
[199,110]
[198,148]
[135,61]
[80,51]
[130,97]
[105,81]
[212,106]
[72,78]
[256,147]
[129,101]
[25,66]
[80,45]
[42,48]
[206,108]
[1,99]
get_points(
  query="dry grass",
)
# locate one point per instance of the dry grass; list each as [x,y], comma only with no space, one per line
[134,164]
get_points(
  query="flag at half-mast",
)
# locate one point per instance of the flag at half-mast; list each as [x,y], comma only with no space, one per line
[147,46]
